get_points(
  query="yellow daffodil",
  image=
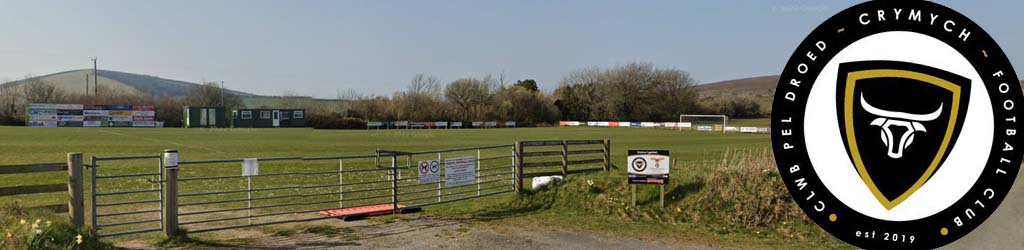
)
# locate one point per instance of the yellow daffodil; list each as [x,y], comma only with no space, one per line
[78,239]
[48,223]
[38,221]
[39,231]
[23,221]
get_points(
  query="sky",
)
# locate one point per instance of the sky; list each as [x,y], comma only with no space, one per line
[321,48]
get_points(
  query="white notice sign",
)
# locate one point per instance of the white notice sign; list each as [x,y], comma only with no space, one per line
[459,171]
[250,167]
[171,159]
[430,171]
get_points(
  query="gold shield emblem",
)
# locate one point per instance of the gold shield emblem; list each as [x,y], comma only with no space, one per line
[899,121]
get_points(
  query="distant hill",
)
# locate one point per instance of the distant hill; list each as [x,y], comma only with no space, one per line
[74,82]
[761,89]
[754,86]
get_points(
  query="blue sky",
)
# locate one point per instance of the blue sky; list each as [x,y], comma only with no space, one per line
[374,47]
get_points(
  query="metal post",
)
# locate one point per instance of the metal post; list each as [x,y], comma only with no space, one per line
[394,182]
[161,185]
[75,200]
[341,183]
[514,180]
[408,163]
[93,188]
[376,160]
[518,167]
[170,159]
[477,172]
[439,193]
[565,159]
[725,122]
[607,154]
[248,193]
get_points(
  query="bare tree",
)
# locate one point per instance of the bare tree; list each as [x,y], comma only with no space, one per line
[635,91]
[212,95]
[422,100]
[423,84]
[11,106]
[469,95]
[37,90]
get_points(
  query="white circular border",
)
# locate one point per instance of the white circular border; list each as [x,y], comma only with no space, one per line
[957,174]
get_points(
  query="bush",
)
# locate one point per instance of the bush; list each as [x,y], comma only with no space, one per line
[747,192]
[335,121]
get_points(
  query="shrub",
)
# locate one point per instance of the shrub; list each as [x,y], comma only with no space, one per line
[747,191]
[24,228]
[335,121]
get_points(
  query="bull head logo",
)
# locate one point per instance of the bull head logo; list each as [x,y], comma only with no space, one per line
[898,121]
[888,119]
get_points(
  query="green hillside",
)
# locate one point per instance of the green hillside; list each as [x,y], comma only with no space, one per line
[761,89]
[73,82]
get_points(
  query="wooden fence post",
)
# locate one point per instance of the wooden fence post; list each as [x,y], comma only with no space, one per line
[519,167]
[76,200]
[565,159]
[170,159]
[607,154]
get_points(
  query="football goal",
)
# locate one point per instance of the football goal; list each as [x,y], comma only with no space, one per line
[704,122]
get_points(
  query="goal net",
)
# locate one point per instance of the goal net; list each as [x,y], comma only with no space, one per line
[716,123]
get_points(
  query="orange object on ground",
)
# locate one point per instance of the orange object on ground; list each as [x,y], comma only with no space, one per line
[364,211]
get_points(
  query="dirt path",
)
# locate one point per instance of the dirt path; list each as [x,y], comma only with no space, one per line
[422,233]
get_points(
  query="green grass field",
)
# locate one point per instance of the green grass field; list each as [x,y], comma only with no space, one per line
[694,154]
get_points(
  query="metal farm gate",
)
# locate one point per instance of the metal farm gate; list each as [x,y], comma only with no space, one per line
[137,194]
[127,194]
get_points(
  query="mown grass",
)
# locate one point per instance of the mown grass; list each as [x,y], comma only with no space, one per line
[691,152]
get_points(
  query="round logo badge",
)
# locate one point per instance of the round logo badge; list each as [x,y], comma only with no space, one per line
[639,164]
[424,167]
[435,166]
[894,125]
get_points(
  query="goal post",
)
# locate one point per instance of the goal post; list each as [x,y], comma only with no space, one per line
[725,119]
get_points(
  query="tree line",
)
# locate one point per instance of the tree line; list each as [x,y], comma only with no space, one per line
[630,92]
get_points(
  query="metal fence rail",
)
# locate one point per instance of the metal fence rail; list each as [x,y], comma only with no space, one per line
[215,194]
[287,189]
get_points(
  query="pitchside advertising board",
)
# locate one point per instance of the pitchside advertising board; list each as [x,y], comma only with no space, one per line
[648,166]
[78,115]
[894,125]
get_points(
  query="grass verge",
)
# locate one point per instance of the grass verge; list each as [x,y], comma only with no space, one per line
[38,229]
